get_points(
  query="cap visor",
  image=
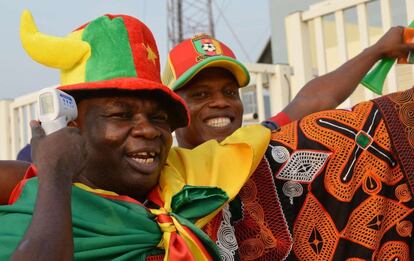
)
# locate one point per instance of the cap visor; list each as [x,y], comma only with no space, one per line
[235,67]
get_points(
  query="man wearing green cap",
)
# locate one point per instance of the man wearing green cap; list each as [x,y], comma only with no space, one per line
[103,188]
[206,74]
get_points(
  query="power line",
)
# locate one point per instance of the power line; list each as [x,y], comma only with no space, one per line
[234,34]
[223,8]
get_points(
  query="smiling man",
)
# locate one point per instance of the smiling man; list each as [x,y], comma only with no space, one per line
[109,186]
[215,107]
[106,122]
[207,75]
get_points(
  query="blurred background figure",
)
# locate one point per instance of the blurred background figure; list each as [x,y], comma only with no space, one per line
[25,154]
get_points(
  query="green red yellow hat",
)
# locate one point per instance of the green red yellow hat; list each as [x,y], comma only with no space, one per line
[115,52]
[193,55]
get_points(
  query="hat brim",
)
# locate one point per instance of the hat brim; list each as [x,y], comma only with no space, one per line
[175,105]
[235,67]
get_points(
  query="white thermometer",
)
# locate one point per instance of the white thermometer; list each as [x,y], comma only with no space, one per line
[56,109]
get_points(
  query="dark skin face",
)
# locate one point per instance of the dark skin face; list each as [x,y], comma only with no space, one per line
[215,107]
[127,140]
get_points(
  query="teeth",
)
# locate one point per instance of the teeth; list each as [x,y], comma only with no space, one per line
[144,161]
[218,122]
[143,157]
[143,154]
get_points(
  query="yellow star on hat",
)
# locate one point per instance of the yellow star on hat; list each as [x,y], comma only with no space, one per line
[151,55]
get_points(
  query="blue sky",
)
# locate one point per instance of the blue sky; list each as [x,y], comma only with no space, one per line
[249,20]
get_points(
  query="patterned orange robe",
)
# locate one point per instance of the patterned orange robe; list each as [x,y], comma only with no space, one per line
[336,185]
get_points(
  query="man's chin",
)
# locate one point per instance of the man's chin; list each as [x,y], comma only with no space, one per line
[219,135]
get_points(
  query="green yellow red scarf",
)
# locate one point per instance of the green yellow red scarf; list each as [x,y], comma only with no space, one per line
[193,187]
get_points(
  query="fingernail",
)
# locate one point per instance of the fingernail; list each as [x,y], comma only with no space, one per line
[33,123]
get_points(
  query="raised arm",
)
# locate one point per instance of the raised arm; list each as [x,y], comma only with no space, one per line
[329,90]
[58,157]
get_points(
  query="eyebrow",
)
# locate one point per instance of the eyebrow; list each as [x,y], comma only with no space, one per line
[118,103]
[199,86]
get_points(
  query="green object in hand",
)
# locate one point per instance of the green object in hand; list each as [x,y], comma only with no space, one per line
[374,80]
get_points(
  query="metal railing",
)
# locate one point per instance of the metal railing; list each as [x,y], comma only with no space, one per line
[21,111]
[275,80]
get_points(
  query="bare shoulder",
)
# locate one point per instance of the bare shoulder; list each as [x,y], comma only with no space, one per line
[11,172]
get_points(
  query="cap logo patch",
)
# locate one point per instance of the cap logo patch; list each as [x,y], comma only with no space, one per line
[206,47]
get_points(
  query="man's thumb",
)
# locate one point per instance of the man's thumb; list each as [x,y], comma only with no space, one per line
[37,130]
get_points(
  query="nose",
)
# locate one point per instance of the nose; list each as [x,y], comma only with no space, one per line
[145,128]
[219,100]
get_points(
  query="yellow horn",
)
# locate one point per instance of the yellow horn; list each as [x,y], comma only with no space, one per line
[56,52]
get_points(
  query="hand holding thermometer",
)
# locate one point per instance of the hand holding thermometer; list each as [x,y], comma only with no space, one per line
[56,109]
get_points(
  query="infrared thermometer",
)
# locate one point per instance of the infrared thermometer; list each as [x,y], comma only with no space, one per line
[56,109]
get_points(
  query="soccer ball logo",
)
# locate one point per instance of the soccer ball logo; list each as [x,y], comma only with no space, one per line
[208,47]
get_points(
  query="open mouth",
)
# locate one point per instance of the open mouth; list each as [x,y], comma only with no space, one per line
[143,157]
[218,122]
[143,161]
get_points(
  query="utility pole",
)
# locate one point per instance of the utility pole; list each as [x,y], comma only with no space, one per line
[186,18]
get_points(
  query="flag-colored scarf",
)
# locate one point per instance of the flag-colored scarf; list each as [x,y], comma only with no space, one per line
[193,187]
